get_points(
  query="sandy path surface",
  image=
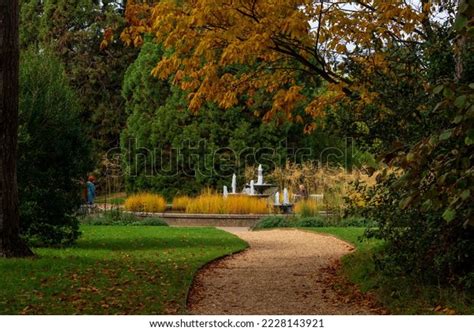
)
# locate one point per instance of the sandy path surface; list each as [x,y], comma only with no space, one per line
[283,272]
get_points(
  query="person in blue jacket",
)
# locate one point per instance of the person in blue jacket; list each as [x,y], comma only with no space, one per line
[90,190]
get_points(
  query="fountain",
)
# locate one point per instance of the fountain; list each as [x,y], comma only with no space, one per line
[286,199]
[260,175]
[234,184]
[254,188]
[286,207]
[260,187]
[277,199]
[257,189]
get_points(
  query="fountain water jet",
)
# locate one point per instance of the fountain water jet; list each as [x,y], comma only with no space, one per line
[277,198]
[260,175]
[234,184]
[286,199]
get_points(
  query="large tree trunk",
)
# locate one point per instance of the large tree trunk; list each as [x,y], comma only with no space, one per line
[10,243]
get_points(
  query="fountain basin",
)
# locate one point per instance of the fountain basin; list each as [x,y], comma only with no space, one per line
[285,208]
[261,188]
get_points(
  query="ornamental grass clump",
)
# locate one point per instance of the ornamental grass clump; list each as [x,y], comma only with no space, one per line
[145,202]
[181,202]
[209,203]
[206,203]
[308,208]
[242,204]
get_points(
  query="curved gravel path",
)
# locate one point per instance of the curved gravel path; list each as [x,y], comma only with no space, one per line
[283,272]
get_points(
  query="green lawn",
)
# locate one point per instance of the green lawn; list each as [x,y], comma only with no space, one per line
[113,270]
[401,295]
[113,198]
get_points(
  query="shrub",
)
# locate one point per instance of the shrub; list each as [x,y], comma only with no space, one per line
[43,234]
[313,222]
[117,217]
[209,203]
[270,222]
[322,221]
[308,208]
[181,202]
[358,221]
[145,202]
[419,242]
[310,222]
[151,221]
[53,152]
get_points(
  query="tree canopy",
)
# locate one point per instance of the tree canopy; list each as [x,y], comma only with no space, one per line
[83,34]
[318,38]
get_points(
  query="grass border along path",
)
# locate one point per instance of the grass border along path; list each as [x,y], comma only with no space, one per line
[113,270]
[399,294]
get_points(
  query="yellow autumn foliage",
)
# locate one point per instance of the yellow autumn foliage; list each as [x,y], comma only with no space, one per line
[278,40]
[309,207]
[145,202]
[211,203]
[180,203]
